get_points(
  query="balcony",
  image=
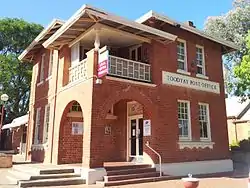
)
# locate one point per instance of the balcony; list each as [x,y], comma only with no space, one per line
[78,71]
[129,69]
[117,67]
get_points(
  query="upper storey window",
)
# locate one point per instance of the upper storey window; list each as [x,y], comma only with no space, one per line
[200,60]
[51,56]
[41,77]
[181,55]
[135,53]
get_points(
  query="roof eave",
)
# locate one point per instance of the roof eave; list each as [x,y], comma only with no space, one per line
[104,15]
[152,14]
[43,33]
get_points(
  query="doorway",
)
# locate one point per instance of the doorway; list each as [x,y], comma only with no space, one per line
[135,136]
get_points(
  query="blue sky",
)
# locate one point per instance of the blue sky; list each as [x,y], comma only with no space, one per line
[43,11]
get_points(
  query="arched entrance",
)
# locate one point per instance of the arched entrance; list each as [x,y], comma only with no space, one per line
[71,134]
[124,138]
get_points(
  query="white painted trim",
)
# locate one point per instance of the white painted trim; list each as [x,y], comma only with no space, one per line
[193,144]
[196,167]
[40,83]
[203,59]
[189,121]
[136,51]
[208,123]
[168,20]
[183,72]
[36,128]
[129,118]
[202,76]
[185,53]
[48,78]
[106,16]
[130,81]
[40,37]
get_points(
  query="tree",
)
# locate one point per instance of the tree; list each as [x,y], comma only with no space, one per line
[242,74]
[233,26]
[15,76]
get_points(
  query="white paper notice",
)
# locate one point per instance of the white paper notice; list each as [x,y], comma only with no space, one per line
[147,127]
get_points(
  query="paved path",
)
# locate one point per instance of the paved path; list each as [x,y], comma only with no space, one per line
[205,183]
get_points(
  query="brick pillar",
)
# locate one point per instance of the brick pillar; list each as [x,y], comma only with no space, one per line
[67,63]
[89,108]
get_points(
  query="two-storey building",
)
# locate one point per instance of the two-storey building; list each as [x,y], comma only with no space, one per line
[104,88]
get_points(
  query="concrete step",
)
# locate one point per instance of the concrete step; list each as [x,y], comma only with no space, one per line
[135,181]
[54,176]
[130,176]
[57,171]
[52,182]
[130,171]
[25,169]
[125,167]
[18,175]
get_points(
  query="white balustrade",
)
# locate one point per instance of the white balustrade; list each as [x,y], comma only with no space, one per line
[130,69]
[78,71]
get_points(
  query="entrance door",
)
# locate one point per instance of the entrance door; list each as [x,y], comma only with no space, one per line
[136,136]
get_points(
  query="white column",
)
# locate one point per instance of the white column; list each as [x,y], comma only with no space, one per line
[97,39]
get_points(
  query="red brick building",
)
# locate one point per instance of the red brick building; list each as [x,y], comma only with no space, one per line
[103,87]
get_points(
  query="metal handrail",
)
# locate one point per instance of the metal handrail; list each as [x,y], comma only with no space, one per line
[147,144]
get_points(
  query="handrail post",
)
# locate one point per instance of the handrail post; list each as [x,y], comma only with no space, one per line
[147,144]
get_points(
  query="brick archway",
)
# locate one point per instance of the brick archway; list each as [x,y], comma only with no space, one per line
[70,142]
[150,111]
[129,93]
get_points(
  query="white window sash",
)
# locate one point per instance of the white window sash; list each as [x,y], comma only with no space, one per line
[203,59]
[46,123]
[75,54]
[185,54]
[37,125]
[208,138]
[51,57]
[189,121]
[42,68]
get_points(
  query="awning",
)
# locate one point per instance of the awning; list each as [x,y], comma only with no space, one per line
[17,122]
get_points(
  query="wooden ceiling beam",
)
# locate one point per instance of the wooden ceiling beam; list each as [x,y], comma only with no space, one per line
[77,29]
[68,36]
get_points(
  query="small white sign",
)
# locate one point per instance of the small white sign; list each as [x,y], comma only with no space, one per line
[190,82]
[147,127]
[77,128]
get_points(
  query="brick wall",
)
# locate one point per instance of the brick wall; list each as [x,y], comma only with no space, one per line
[159,104]
[70,146]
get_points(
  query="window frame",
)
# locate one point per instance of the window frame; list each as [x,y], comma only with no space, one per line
[136,52]
[46,124]
[185,56]
[51,59]
[208,122]
[203,66]
[189,137]
[41,72]
[37,126]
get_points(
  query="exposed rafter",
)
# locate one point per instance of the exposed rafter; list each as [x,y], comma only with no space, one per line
[68,36]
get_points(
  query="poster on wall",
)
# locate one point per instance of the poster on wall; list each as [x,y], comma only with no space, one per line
[77,128]
[147,127]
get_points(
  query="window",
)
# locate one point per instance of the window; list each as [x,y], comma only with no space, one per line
[184,119]
[37,125]
[83,52]
[42,69]
[76,107]
[46,123]
[181,55]
[135,53]
[204,121]
[200,60]
[50,62]
[75,52]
